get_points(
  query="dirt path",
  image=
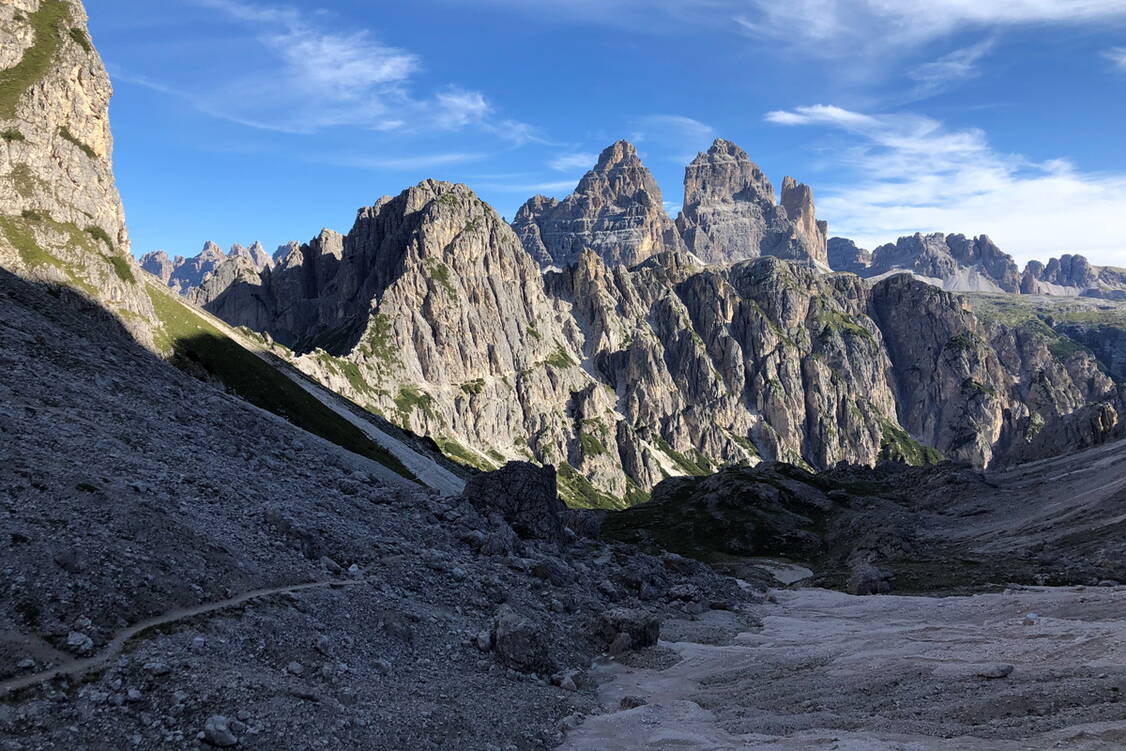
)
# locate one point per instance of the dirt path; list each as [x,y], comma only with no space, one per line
[832,671]
[76,667]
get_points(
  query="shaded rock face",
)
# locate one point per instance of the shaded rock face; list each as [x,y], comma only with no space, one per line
[61,219]
[844,255]
[954,376]
[525,495]
[430,313]
[729,212]
[616,211]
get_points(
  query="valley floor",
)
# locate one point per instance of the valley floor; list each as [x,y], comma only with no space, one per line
[1030,668]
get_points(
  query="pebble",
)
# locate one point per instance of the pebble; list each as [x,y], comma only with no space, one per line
[217,732]
[295,667]
[80,642]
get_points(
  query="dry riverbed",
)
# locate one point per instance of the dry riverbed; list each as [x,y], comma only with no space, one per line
[1031,668]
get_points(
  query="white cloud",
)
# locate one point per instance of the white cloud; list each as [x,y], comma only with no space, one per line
[407,163]
[572,162]
[671,127]
[305,78]
[1116,55]
[909,173]
[555,188]
[953,68]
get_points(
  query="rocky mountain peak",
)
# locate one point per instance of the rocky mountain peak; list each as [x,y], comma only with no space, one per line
[725,174]
[617,211]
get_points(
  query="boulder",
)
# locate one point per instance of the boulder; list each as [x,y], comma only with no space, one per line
[524,495]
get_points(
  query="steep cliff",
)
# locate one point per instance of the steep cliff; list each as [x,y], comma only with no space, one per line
[61,219]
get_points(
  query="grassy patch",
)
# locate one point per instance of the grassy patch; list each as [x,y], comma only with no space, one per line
[462,455]
[410,399]
[81,38]
[963,343]
[591,445]
[559,359]
[66,134]
[19,234]
[24,181]
[377,343]
[47,23]
[11,134]
[101,235]
[121,268]
[578,492]
[697,464]
[474,387]
[897,445]
[195,344]
[978,388]
[440,273]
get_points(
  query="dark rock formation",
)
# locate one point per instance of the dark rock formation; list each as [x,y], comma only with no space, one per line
[524,495]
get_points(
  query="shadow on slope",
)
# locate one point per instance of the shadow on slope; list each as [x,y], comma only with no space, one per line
[203,350]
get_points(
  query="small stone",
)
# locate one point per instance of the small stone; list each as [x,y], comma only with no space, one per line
[631,702]
[354,570]
[217,732]
[80,643]
[1031,619]
[158,668]
[993,672]
[133,696]
[296,668]
[383,666]
[199,642]
[26,664]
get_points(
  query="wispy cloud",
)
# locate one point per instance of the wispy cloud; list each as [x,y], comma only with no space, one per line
[574,161]
[956,67]
[905,173]
[1116,55]
[307,77]
[406,163]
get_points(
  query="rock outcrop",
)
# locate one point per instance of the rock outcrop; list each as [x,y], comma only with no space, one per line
[729,212]
[616,211]
[1073,275]
[61,218]
[844,255]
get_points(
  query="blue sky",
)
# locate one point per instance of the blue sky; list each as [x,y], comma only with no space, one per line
[243,120]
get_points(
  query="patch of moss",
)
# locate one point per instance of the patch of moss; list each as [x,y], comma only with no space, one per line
[377,344]
[195,343]
[447,199]
[101,235]
[591,445]
[81,38]
[963,343]
[66,134]
[897,445]
[833,321]
[976,387]
[47,23]
[11,134]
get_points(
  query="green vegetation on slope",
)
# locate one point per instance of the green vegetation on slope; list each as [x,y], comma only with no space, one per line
[85,148]
[898,446]
[196,343]
[578,492]
[47,22]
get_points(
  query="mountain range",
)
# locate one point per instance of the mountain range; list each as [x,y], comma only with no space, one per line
[598,335]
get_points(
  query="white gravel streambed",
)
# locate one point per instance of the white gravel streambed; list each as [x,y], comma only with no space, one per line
[1032,668]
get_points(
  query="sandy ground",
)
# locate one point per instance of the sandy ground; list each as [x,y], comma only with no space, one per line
[833,671]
